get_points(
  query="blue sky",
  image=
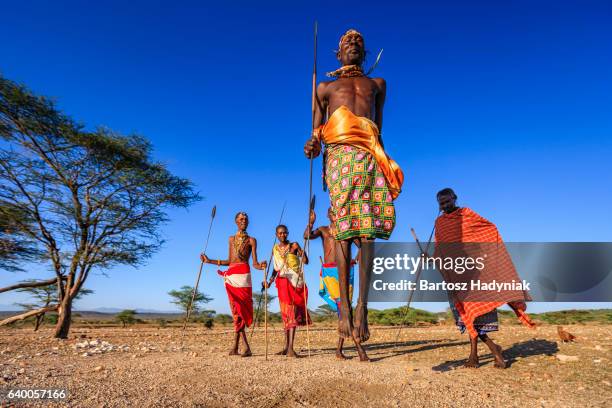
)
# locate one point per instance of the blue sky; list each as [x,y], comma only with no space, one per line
[507,103]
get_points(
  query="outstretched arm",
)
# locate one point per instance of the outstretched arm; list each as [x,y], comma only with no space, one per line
[218,262]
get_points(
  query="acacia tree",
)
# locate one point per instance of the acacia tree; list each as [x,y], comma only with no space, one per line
[127,316]
[43,297]
[92,199]
[182,298]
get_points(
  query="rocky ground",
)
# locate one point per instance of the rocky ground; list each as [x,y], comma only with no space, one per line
[147,366]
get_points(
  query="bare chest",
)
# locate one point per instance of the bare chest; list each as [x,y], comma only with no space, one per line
[357,94]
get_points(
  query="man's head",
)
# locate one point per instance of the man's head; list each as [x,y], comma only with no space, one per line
[331,215]
[282,233]
[351,48]
[447,200]
[242,220]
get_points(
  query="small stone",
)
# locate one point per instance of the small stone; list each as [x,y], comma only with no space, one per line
[98,368]
[21,371]
[564,358]
[85,355]
[606,383]
[597,360]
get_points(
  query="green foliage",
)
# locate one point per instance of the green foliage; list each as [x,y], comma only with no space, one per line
[574,316]
[98,196]
[258,303]
[223,319]
[15,246]
[126,317]
[401,315]
[162,322]
[182,298]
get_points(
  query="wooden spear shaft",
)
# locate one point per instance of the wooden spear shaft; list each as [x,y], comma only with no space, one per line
[195,288]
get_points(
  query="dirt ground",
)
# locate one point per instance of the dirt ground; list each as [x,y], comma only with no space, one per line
[148,366]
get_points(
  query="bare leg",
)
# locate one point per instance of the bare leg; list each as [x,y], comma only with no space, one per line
[496,350]
[234,350]
[247,350]
[472,361]
[283,352]
[290,351]
[361,330]
[339,353]
[343,260]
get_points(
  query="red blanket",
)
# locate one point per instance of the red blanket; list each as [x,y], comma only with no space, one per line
[240,294]
[292,303]
[464,225]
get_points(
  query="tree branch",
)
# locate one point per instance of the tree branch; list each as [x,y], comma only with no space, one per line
[30,285]
[28,314]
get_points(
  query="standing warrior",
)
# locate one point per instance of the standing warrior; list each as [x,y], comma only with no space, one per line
[329,289]
[238,280]
[462,225]
[362,180]
[292,292]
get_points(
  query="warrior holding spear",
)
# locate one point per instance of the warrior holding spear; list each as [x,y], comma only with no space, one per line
[238,280]
[362,180]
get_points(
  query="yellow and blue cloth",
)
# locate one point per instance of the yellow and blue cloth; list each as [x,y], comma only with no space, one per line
[329,287]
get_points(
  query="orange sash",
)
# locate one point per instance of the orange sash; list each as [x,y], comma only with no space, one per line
[344,127]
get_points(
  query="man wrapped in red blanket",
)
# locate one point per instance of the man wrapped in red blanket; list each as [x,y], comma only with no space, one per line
[462,225]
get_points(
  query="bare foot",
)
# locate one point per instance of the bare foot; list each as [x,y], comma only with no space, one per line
[361,351]
[361,330]
[291,353]
[247,353]
[340,355]
[472,362]
[233,352]
[282,352]
[345,323]
[499,358]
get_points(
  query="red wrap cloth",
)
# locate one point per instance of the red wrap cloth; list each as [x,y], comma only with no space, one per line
[240,294]
[465,225]
[292,303]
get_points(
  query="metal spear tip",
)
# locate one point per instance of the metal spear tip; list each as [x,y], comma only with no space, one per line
[413,234]
[313,201]
[214,211]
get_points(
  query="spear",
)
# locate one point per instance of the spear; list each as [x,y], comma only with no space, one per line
[311,198]
[264,289]
[195,288]
[417,275]
[305,249]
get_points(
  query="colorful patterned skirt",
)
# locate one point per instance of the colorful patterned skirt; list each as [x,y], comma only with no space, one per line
[358,193]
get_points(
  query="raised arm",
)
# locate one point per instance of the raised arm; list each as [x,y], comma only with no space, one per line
[309,233]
